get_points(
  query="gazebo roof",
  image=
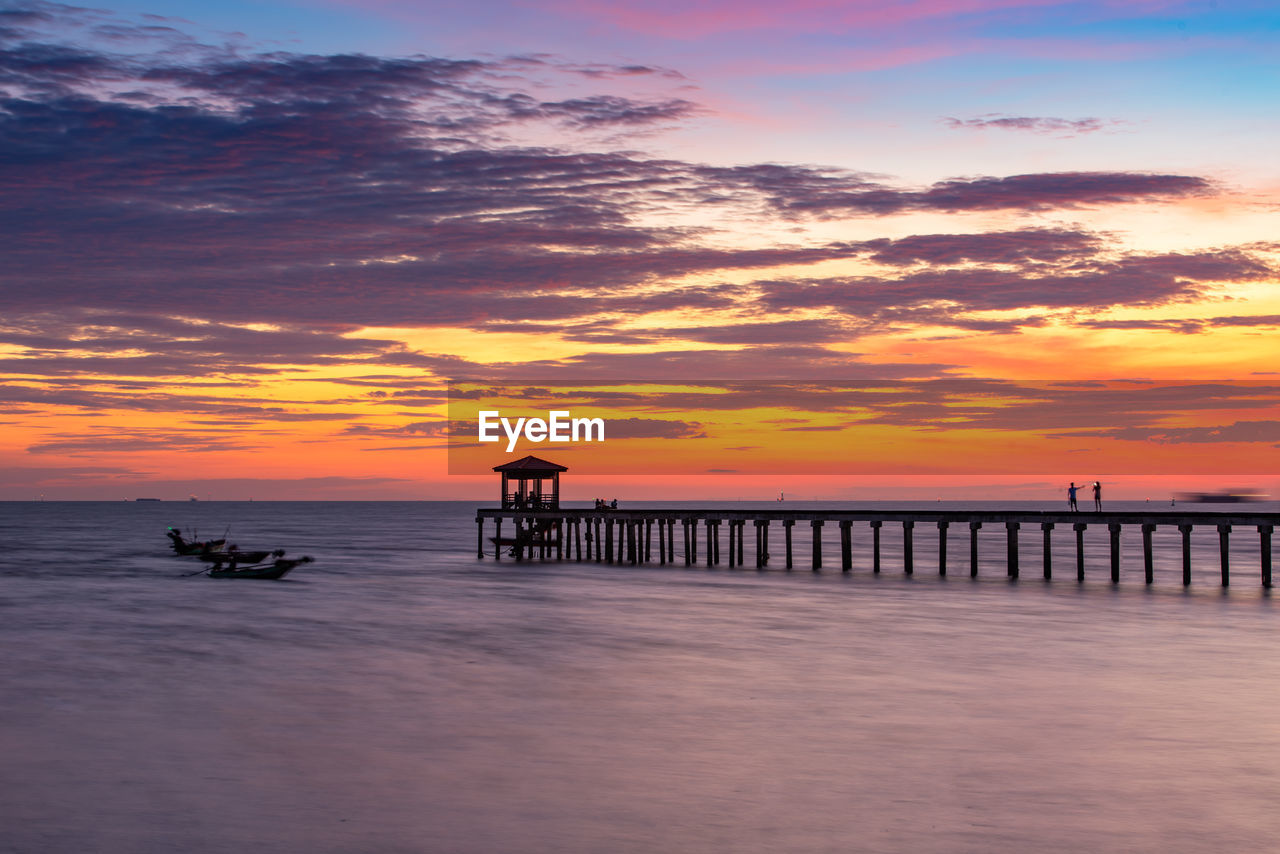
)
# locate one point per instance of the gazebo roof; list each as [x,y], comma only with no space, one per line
[530,464]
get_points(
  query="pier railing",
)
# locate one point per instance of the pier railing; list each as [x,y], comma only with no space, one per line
[626,536]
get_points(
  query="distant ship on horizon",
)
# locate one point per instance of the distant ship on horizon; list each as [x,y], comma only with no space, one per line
[1224,497]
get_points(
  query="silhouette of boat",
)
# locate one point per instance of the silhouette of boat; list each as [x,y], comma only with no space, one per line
[1240,497]
[239,556]
[268,571]
[183,546]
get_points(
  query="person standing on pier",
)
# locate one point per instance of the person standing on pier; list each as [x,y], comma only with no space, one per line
[1097,496]
[1071,497]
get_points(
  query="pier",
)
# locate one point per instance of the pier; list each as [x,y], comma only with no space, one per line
[630,536]
[541,529]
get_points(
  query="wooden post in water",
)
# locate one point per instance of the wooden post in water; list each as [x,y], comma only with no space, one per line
[1224,537]
[907,561]
[479,536]
[715,542]
[1114,528]
[942,547]
[687,537]
[1048,550]
[519,540]
[1264,537]
[1011,533]
[497,539]
[786,526]
[1147,563]
[742,524]
[846,545]
[671,540]
[559,539]
[693,540]
[713,539]
[875,546]
[662,541]
[973,548]
[648,538]
[608,539]
[733,543]
[1079,529]
[817,543]
[764,542]
[1186,554]
[632,550]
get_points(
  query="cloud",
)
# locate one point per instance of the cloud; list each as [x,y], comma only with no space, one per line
[114,441]
[1240,431]
[1033,124]
[652,428]
[299,189]
[797,190]
[1136,279]
[993,247]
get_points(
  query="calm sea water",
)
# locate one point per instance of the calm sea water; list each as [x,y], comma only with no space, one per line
[400,696]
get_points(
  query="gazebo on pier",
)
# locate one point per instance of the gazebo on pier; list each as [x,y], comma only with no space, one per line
[523,484]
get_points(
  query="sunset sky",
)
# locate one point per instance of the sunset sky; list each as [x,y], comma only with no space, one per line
[947,247]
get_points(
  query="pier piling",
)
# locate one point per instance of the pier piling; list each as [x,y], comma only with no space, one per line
[787,525]
[1079,529]
[817,544]
[1114,528]
[1147,565]
[1046,527]
[942,546]
[1224,548]
[973,548]
[1264,547]
[626,536]
[1011,529]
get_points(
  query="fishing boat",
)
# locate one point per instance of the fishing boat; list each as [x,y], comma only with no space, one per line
[238,556]
[268,571]
[189,547]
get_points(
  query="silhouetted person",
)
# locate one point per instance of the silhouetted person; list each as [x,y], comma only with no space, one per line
[1071,497]
[613,505]
[1097,496]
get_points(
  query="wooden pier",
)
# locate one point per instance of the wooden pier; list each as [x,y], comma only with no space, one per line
[628,536]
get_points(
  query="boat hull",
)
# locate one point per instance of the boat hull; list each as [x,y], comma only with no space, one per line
[269,572]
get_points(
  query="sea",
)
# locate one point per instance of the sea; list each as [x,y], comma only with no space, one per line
[401,695]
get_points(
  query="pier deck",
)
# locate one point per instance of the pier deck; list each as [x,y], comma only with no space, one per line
[626,536]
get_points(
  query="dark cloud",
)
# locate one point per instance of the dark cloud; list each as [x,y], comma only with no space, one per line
[1131,280]
[615,110]
[239,409]
[40,475]
[84,342]
[766,332]
[1267,432]
[1188,325]
[807,190]
[652,428]
[300,188]
[1033,124]
[994,247]
[115,441]
[799,362]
